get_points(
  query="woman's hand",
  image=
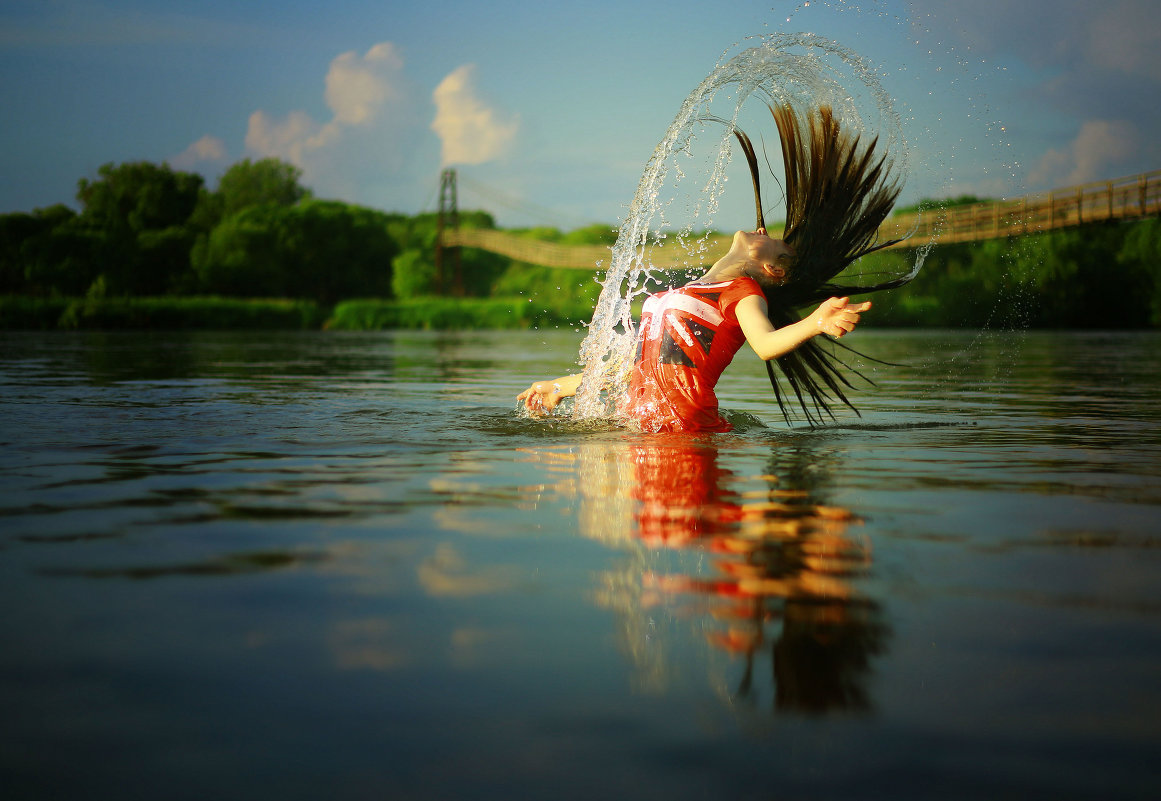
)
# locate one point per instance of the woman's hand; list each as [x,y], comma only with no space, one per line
[837,317]
[541,398]
[544,396]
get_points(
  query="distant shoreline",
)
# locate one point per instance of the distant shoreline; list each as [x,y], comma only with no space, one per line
[20,313]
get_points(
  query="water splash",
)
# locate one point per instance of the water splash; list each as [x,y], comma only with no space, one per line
[802,70]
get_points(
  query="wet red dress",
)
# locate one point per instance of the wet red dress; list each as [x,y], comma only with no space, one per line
[687,337]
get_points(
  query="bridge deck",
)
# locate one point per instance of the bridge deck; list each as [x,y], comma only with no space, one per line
[1129,198]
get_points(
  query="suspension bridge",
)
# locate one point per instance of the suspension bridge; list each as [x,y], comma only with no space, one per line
[1132,197]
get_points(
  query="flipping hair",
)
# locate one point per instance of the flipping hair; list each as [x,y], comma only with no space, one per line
[837,195]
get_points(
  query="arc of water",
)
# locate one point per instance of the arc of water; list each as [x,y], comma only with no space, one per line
[783,68]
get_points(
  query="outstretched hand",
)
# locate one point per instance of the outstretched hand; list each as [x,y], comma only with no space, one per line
[838,317]
[542,397]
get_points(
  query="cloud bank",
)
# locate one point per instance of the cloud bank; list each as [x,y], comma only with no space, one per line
[470,131]
[208,149]
[1095,69]
[375,148]
[1100,150]
[359,90]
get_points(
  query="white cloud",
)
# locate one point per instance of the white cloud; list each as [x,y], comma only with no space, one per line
[292,139]
[1079,79]
[1100,149]
[470,131]
[357,88]
[359,91]
[374,148]
[207,149]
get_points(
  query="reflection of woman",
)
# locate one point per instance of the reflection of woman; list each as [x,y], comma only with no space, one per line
[837,195]
[775,561]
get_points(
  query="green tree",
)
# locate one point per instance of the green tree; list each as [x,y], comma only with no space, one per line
[139,214]
[1140,255]
[322,250]
[47,252]
[256,183]
[247,184]
[138,196]
[15,230]
[240,257]
[415,273]
[335,251]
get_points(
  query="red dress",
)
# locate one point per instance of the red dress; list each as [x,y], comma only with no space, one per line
[687,337]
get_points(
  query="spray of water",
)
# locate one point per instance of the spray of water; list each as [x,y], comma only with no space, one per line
[678,198]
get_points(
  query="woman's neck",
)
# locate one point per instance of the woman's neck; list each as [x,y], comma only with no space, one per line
[727,268]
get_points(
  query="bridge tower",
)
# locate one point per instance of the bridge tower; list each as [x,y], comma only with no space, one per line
[448,218]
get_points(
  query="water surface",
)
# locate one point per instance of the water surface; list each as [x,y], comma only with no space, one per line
[342,566]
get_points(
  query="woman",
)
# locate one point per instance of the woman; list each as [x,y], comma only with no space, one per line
[837,195]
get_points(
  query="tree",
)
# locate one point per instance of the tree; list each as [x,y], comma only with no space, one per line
[15,231]
[255,183]
[240,257]
[247,185]
[322,250]
[138,196]
[1141,254]
[414,272]
[140,214]
[48,252]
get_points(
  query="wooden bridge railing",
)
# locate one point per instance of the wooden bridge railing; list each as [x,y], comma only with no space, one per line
[1132,197]
[1129,198]
[533,251]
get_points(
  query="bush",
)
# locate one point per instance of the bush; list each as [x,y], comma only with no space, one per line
[451,313]
[20,313]
[190,313]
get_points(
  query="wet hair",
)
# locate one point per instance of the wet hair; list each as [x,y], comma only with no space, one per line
[838,192]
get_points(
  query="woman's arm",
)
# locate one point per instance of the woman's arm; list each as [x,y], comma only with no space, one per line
[543,396]
[836,317]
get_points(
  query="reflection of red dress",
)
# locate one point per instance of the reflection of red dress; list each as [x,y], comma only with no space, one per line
[687,337]
[682,491]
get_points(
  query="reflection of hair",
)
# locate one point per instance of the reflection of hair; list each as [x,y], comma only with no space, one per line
[837,196]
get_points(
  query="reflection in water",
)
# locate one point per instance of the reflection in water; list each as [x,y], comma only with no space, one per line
[758,565]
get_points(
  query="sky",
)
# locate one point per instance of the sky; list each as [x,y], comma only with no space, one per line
[548,110]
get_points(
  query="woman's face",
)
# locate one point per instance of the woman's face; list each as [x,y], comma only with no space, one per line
[772,255]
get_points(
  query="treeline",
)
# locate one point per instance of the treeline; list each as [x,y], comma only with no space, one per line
[1103,275]
[147,230]
[151,247]
[147,236]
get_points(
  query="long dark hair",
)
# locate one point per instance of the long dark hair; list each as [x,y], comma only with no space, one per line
[838,193]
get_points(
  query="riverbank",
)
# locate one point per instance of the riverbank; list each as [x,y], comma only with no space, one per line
[209,313]
[1099,276]
[1015,308]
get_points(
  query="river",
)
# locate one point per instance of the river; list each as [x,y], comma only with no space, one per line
[324,565]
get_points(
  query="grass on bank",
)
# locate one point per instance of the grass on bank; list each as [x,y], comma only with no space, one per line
[452,313]
[149,313]
[207,313]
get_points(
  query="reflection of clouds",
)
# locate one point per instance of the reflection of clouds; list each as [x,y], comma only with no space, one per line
[368,644]
[446,574]
[468,507]
[474,646]
[387,643]
[373,568]
[465,520]
[596,474]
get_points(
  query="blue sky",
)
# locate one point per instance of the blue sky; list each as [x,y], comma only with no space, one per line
[548,110]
